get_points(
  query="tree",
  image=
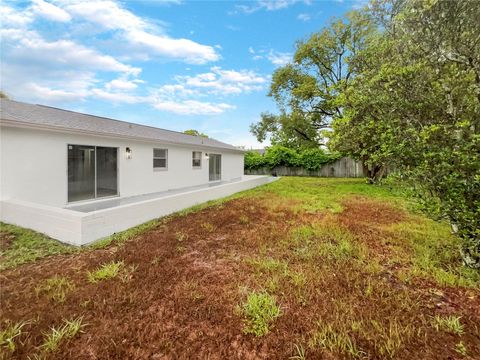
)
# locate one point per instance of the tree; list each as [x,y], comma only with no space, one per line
[415,104]
[3,95]
[307,91]
[195,133]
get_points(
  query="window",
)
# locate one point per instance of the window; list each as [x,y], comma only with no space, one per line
[197,159]
[160,157]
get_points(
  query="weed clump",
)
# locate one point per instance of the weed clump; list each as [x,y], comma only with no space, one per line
[259,310]
[449,324]
[8,335]
[55,288]
[105,272]
[68,330]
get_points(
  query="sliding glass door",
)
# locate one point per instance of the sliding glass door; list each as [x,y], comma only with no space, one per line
[92,172]
[106,171]
[215,167]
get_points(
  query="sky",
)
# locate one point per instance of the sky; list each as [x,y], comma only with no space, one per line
[174,64]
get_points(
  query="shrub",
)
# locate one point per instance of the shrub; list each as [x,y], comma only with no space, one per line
[281,156]
[313,159]
[254,160]
[310,159]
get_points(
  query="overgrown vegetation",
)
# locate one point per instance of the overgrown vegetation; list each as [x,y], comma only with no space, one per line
[323,268]
[277,155]
[396,84]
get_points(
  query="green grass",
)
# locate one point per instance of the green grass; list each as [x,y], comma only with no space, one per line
[28,245]
[448,323]
[9,333]
[314,194]
[106,271]
[268,265]
[461,348]
[55,288]
[327,240]
[326,337]
[57,336]
[259,310]
[435,253]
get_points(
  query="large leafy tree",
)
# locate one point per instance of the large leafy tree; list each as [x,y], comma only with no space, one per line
[307,91]
[415,105]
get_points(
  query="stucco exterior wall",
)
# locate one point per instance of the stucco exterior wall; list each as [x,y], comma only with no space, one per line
[34,165]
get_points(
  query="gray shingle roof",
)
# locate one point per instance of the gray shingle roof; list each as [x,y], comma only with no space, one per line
[49,117]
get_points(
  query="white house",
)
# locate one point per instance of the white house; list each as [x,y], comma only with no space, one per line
[79,177]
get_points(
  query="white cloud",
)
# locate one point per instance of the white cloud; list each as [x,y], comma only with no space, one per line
[10,17]
[277,58]
[58,70]
[224,82]
[116,97]
[192,107]
[187,50]
[304,17]
[269,5]
[123,84]
[29,48]
[183,96]
[34,69]
[141,34]
[54,95]
[50,11]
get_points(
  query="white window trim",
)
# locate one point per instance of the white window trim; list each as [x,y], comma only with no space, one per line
[156,157]
[197,167]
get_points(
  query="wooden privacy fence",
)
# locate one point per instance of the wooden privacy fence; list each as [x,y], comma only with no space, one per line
[344,167]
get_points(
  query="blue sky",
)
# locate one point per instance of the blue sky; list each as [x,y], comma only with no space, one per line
[179,65]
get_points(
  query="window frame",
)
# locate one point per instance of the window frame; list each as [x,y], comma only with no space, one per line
[160,168]
[193,159]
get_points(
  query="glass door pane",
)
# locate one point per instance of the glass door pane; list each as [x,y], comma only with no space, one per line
[81,172]
[214,167]
[106,171]
[218,167]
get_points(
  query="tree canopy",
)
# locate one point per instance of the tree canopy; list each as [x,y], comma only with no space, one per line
[195,133]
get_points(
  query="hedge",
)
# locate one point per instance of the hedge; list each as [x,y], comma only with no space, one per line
[310,159]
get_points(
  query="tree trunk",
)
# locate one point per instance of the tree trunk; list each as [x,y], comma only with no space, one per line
[374,173]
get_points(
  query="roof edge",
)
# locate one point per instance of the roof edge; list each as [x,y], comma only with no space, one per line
[26,125]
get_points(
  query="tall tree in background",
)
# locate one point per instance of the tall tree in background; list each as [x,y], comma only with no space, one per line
[308,91]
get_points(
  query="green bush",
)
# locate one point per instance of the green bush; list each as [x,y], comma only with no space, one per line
[310,159]
[313,159]
[254,160]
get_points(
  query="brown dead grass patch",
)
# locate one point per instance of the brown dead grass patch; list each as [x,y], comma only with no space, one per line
[180,300]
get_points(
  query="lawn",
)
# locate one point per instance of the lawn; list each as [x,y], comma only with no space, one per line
[302,268]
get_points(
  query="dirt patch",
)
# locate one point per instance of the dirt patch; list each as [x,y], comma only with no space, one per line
[189,275]
[362,210]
